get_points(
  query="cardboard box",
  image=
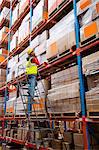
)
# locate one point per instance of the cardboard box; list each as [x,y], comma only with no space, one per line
[22,6]
[68,137]
[57,144]
[84,4]
[5,14]
[40,13]
[15,14]
[90,30]
[66,146]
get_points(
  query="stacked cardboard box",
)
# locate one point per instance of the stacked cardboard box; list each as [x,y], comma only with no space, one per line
[22,6]
[5,14]
[1,106]
[42,86]
[15,14]
[2,77]
[40,13]
[10,106]
[91,71]
[15,105]
[40,50]
[12,68]
[3,34]
[24,29]
[14,41]
[3,54]
[89,21]
[53,5]
[64,95]
[91,63]
[62,36]
[79,141]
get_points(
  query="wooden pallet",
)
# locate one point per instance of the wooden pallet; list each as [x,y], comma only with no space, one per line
[58,56]
[39,115]
[90,40]
[68,115]
[58,7]
[93,114]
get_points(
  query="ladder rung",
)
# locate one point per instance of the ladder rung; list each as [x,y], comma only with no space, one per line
[42,129]
[24,88]
[31,103]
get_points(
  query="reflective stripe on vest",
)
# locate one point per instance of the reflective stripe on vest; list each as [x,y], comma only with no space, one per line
[31,68]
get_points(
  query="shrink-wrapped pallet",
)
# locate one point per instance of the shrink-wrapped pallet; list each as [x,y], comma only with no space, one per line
[23,31]
[42,86]
[63,77]
[23,6]
[91,30]
[67,91]
[40,13]
[90,14]
[10,105]
[91,63]
[64,95]
[2,77]
[40,50]
[15,14]
[14,41]
[3,54]
[62,36]
[4,34]
[5,14]
[54,5]
[12,68]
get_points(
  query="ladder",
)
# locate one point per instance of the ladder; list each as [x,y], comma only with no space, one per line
[24,94]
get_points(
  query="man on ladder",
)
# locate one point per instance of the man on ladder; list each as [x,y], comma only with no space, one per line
[31,72]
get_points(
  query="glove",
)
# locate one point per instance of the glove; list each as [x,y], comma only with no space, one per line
[27,58]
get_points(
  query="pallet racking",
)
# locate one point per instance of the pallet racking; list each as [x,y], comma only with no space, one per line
[59,63]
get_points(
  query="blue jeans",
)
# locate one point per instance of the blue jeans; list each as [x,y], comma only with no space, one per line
[32,84]
[31,91]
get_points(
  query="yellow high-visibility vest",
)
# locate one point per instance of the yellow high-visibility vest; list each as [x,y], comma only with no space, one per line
[31,68]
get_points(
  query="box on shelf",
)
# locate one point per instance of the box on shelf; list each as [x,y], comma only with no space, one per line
[2,77]
[90,30]
[92,100]
[40,13]
[90,14]
[64,95]
[12,64]
[1,106]
[14,41]
[3,52]
[5,14]
[23,31]
[23,6]
[3,34]
[91,63]
[61,36]
[84,4]
[10,106]
[15,14]
[63,77]
[43,86]
[53,5]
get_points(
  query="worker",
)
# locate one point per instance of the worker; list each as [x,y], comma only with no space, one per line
[31,71]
